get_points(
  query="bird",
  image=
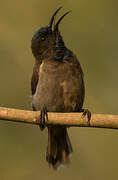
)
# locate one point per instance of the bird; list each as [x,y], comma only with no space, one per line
[57,85]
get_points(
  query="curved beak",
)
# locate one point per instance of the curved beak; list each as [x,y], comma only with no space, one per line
[58,22]
[52,18]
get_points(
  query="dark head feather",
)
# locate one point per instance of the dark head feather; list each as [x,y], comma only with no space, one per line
[48,43]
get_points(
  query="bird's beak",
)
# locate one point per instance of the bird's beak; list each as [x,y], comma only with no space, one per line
[58,22]
[52,19]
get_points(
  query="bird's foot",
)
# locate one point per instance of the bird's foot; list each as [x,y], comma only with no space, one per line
[88,113]
[43,118]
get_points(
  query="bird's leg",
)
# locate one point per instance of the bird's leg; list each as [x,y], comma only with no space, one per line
[86,112]
[43,118]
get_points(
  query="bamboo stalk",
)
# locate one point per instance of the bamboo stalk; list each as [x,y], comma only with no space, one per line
[68,119]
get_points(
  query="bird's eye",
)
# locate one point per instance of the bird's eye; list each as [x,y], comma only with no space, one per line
[43,38]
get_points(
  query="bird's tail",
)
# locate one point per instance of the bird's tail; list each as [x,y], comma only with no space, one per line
[59,147]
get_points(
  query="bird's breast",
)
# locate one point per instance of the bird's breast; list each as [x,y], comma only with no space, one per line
[58,88]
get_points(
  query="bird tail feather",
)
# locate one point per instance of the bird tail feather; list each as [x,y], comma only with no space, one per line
[59,147]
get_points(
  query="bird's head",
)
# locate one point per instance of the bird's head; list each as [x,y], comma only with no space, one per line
[47,41]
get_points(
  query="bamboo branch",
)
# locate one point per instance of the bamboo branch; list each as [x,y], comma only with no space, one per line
[68,119]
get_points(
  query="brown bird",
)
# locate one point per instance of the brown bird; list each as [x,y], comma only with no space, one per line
[57,85]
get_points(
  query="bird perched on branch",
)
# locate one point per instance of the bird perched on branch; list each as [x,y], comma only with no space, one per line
[57,85]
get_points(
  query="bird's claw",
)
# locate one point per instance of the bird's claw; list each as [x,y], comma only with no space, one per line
[43,118]
[88,113]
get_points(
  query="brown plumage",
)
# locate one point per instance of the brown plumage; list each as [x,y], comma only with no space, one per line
[57,86]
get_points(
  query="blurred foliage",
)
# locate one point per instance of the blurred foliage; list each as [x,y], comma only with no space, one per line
[91,31]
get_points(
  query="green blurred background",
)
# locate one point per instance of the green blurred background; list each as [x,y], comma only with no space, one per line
[91,31]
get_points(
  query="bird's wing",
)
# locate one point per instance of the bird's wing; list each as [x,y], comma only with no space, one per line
[34,78]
